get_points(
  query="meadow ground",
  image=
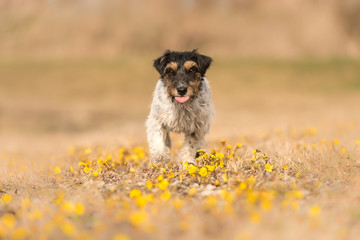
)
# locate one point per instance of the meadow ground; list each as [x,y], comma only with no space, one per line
[281,161]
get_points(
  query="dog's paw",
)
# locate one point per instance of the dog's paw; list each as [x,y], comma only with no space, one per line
[160,159]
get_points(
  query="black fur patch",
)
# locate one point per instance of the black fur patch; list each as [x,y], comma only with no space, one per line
[203,62]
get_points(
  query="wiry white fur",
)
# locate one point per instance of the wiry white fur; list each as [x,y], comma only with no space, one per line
[192,118]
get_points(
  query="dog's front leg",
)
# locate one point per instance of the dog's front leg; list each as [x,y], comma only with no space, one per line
[192,143]
[159,144]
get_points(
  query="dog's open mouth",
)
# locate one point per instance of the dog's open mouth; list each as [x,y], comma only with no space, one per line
[182,99]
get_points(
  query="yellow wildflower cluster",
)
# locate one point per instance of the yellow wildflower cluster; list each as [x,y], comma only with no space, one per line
[120,194]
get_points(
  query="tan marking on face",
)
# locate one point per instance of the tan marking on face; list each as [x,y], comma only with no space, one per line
[171,91]
[193,89]
[189,64]
[172,65]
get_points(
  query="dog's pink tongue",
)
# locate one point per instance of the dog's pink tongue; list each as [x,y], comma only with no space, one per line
[181,99]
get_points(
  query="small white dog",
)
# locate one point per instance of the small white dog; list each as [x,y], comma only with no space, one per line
[181,104]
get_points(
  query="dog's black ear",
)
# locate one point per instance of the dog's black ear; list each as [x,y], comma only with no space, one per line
[160,62]
[203,62]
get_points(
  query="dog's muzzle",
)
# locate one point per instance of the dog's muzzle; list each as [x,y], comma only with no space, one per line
[182,91]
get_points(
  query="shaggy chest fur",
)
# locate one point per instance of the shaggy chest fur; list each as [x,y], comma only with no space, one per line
[184,119]
[188,117]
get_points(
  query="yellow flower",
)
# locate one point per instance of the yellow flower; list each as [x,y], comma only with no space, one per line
[132,170]
[57,170]
[357,142]
[285,167]
[6,199]
[95,174]
[79,208]
[225,177]
[141,155]
[68,228]
[266,205]
[149,184]
[192,191]
[314,211]
[135,193]
[8,220]
[121,237]
[344,150]
[201,151]
[100,161]
[19,233]
[210,168]
[242,186]
[68,207]
[160,178]
[239,145]
[82,164]
[163,184]
[252,197]
[87,151]
[312,131]
[216,182]
[186,165]
[255,217]
[138,218]
[71,170]
[219,155]
[221,163]
[177,203]
[165,196]
[192,169]
[298,194]
[269,167]
[171,175]
[203,172]
[228,146]
[87,169]
[138,149]
[141,201]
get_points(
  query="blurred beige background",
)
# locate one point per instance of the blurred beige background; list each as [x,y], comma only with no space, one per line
[84,68]
[247,28]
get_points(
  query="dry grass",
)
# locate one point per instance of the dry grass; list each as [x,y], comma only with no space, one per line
[296,182]
[288,169]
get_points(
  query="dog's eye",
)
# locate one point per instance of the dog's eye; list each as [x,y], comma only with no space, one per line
[170,72]
[191,70]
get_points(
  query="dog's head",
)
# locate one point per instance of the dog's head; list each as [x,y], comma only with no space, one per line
[182,73]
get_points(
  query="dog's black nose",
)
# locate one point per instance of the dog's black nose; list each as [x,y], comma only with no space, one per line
[182,90]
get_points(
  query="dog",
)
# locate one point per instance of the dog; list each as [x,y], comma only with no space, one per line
[181,103]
